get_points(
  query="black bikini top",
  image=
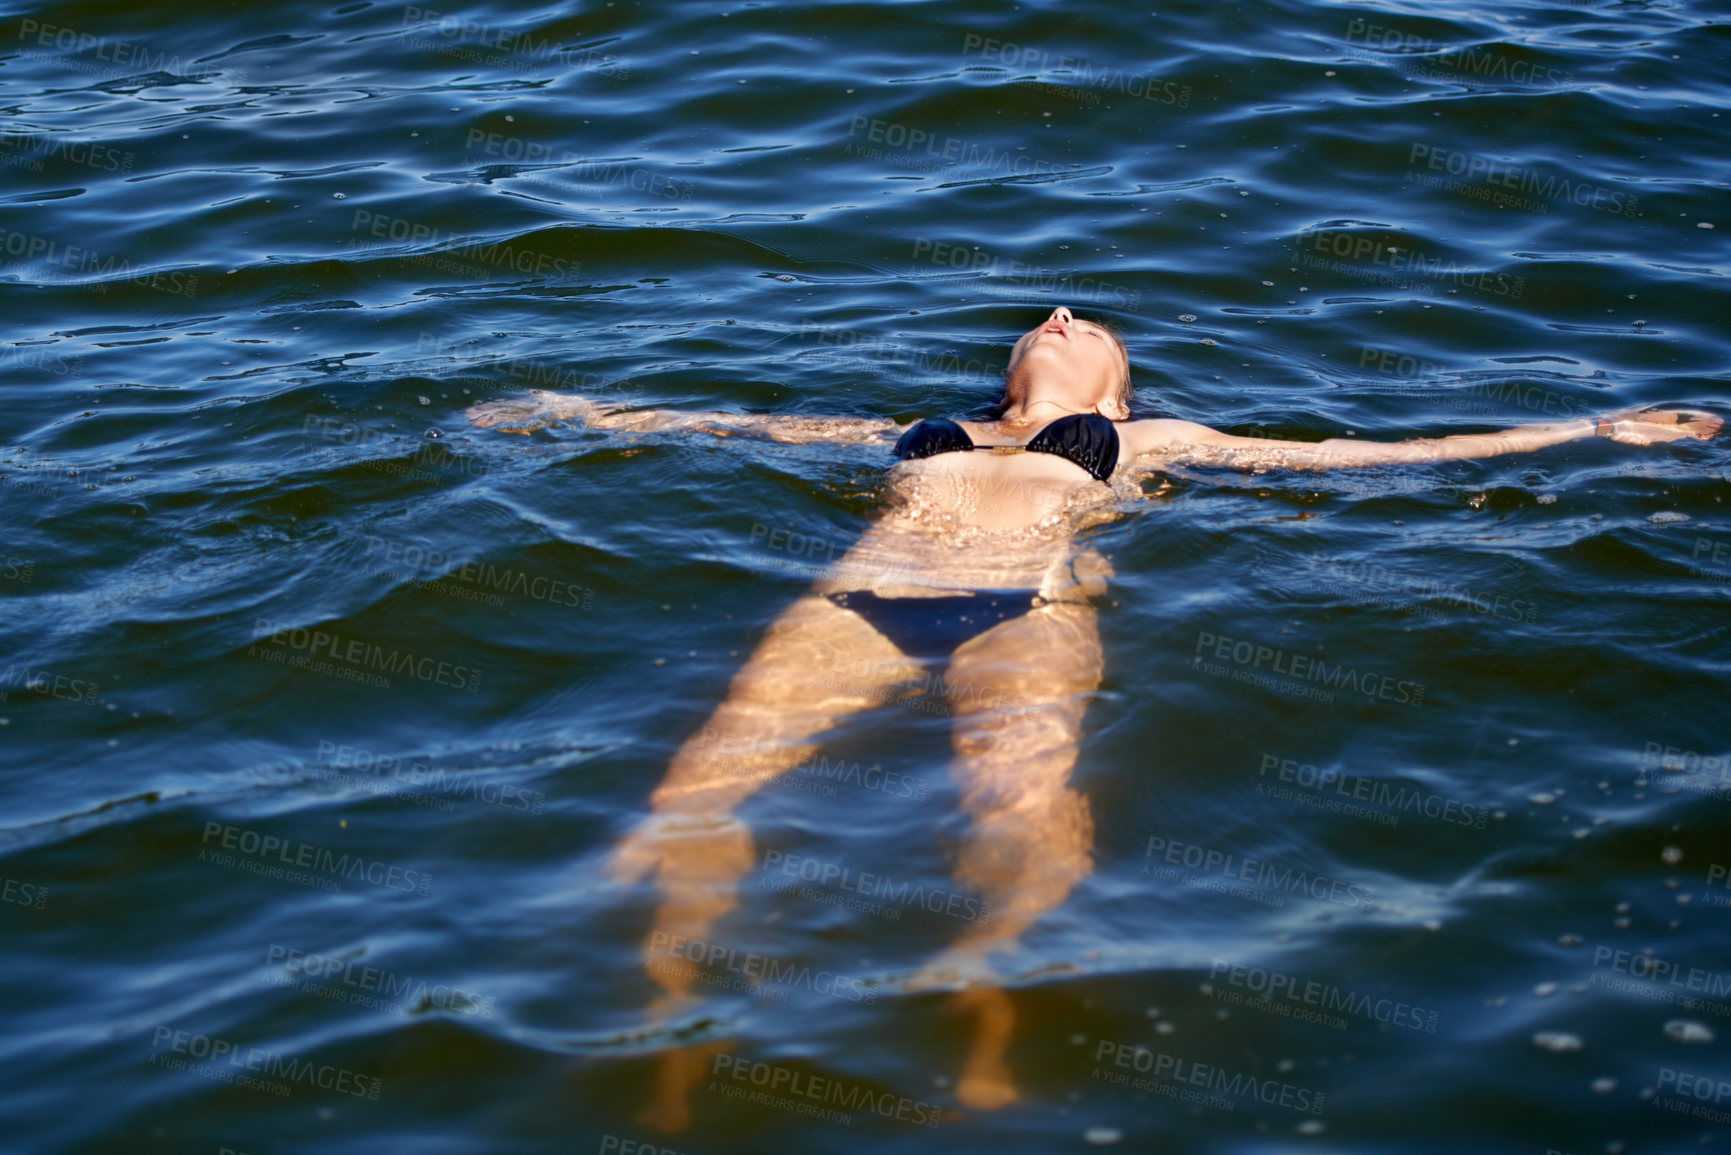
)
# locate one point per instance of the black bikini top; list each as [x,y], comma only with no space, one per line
[1085,439]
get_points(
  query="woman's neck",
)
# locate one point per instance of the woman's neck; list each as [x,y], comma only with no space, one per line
[1036,412]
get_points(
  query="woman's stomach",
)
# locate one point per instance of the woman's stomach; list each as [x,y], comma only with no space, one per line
[897,559]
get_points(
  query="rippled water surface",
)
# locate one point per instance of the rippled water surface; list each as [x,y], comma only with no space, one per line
[323,709]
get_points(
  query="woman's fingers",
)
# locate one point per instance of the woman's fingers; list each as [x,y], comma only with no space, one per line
[566,406]
[532,413]
[1647,426]
[1699,425]
[491,413]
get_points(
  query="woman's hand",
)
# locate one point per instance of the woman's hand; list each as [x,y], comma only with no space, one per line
[537,411]
[1651,426]
[519,414]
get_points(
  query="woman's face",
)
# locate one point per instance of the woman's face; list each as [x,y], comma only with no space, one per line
[1079,356]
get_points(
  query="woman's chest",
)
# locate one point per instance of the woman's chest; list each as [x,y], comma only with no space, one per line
[1000,485]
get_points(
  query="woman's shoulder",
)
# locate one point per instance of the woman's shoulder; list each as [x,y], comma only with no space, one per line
[1152,434]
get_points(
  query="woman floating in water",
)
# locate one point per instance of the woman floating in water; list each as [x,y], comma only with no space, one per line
[975,564]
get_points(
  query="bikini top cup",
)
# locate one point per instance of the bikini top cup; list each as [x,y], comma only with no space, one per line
[1085,439]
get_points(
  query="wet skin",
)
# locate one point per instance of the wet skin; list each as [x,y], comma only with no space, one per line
[956,523]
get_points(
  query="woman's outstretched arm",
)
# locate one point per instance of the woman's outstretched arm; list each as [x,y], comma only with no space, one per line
[1186,442]
[542,408]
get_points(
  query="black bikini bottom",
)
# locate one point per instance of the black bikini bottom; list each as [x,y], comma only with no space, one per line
[932,628]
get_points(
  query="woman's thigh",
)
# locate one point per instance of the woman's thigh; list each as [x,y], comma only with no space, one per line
[820,657]
[1018,692]
[816,664]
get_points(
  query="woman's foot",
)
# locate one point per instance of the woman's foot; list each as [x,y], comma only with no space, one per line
[986,1084]
[677,1074]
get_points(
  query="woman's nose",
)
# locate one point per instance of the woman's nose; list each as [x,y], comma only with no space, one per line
[1062,314]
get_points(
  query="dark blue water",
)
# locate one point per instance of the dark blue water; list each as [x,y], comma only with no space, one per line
[323,709]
